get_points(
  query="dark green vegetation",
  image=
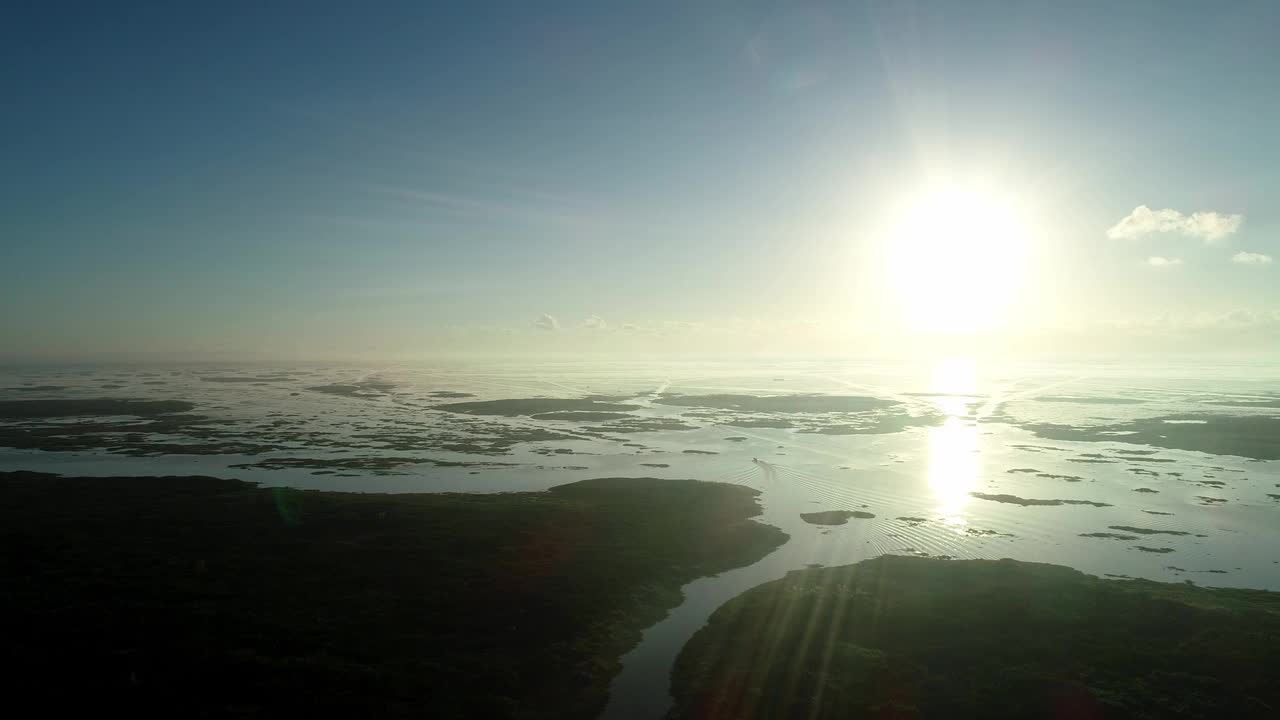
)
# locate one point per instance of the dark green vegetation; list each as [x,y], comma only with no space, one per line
[1025,502]
[129,427]
[779,403]
[535,406]
[822,414]
[979,532]
[163,427]
[462,434]
[747,421]
[243,379]
[371,388]
[634,424]
[1149,531]
[375,465]
[1251,436]
[200,597]
[1038,448]
[348,390]
[582,416]
[900,637]
[834,517]
[1089,400]
[30,409]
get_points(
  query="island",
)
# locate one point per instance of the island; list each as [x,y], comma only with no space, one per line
[208,597]
[907,637]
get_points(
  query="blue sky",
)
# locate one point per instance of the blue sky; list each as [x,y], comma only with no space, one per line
[329,178]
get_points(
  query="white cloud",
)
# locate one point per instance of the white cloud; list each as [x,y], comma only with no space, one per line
[546,322]
[1157,261]
[595,322]
[1251,258]
[1209,226]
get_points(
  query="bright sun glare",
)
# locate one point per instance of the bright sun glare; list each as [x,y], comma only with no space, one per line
[956,256]
[953,446]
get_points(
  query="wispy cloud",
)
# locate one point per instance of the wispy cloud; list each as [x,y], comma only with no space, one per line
[546,322]
[1251,258]
[1158,261]
[1209,226]
[595,322]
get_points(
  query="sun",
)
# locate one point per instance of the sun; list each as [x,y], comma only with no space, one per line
[956,257]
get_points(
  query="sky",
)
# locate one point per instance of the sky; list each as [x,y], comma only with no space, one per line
[400,179]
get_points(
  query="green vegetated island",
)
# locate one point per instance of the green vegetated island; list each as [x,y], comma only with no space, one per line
[905,637]
[203,597]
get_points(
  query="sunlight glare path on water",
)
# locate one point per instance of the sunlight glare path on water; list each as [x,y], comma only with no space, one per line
[953,446]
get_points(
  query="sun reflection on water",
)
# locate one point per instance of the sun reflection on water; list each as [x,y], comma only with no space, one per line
[953,445]
[953,466]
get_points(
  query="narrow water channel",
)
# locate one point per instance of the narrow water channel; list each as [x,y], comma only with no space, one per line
[642,690]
